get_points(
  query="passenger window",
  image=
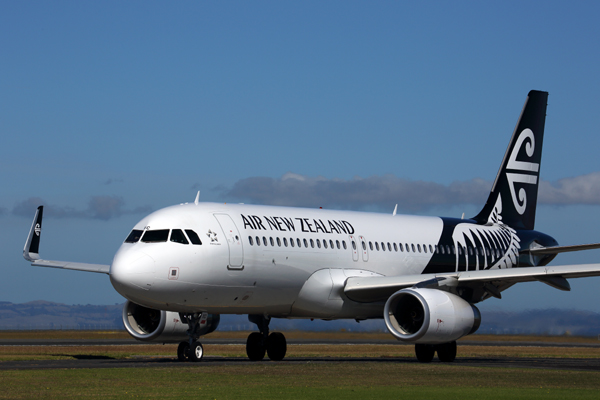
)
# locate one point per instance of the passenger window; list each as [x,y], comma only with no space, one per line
[382,246]
[470,251]
[305,243]
[364,245]
[353,245]
[419,247]
[193,236]
[337,243]
[430,249]
[318,243]
[344,244]
[325,243]
[389,246]
[285,242]
[447,249]
[292,242]
[395,247]
[407,248]
[134,236]
[177,236]
[424,248]
[298,242]
[257,241]
[412,246]
[401,247]
[159,235]
[250,240]
[312,243]
[377,246]
[278,242]
[265,241]
[272,241]
[371,245]
[331,243]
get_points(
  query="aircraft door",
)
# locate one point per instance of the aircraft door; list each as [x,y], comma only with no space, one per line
[234,241]
[354,248]
[363,247]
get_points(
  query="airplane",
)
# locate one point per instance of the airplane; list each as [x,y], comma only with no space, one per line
[182,266]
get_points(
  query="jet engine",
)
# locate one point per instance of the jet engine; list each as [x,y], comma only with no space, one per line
[429,316]
[151,325]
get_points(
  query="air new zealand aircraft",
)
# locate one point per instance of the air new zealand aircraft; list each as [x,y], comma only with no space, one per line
[182,266]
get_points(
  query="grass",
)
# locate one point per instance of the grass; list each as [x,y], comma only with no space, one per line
[314,380]
[310,379]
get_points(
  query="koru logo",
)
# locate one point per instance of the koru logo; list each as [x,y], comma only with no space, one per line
[37,229]
[528,171]
[212,235]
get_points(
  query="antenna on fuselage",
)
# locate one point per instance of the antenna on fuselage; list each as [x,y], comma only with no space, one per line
[197,198]
[395,209]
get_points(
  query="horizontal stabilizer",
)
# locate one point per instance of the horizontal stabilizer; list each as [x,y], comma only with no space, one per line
[561,249]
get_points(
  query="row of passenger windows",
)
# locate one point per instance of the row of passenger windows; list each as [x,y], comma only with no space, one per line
[437,249]
[306,242]
[414,248]
[163,235]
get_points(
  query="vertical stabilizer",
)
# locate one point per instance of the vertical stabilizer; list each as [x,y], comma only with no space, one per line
[514,194]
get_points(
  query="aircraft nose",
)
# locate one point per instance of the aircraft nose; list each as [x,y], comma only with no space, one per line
[132,271]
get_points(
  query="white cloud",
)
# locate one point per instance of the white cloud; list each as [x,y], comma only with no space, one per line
[383,192]
[99,207]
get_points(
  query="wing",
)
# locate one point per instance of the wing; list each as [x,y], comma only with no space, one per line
[32,245]
[493,281]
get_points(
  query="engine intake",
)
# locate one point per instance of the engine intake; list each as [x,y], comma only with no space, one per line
[151,325]
[429,316]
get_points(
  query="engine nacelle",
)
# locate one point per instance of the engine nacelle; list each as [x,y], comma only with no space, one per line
[151,325]
[429,316]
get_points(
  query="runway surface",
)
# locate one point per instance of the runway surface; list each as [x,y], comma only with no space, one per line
[131,342]
[90,361]
[573,364]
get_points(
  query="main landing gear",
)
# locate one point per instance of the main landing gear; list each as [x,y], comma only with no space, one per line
[192,350]
[446,352]
[261,342]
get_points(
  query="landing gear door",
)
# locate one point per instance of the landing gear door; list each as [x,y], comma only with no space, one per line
[234,241]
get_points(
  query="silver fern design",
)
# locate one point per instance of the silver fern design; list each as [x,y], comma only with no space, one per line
[493,245]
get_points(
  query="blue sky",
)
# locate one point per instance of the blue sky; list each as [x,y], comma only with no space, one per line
[109,110]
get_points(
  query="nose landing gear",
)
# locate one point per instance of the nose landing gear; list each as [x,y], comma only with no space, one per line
[259,343]
[192,350]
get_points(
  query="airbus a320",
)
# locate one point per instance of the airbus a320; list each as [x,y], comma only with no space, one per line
[182,266]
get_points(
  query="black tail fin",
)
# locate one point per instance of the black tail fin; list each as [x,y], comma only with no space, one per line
[513,197]
[31,251]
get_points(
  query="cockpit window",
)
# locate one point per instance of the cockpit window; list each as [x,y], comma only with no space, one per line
[193,236]
[159,235]
[134,236]
[177,236]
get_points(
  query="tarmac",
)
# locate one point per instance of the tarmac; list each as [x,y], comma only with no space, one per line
[90,361]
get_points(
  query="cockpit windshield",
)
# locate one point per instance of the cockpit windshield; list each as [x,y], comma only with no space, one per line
[162,235]
[159,235]
[134,236]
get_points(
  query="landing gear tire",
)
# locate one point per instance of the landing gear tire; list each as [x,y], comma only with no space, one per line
[183,351]
[276,346]
[196,352]
[424,352]
[446,352]
[255,346]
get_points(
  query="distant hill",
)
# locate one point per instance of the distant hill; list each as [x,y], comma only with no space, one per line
[47,315]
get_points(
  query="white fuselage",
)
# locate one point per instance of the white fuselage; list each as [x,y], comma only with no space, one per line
[277,261]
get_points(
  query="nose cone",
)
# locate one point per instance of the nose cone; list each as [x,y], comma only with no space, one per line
[132,273]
